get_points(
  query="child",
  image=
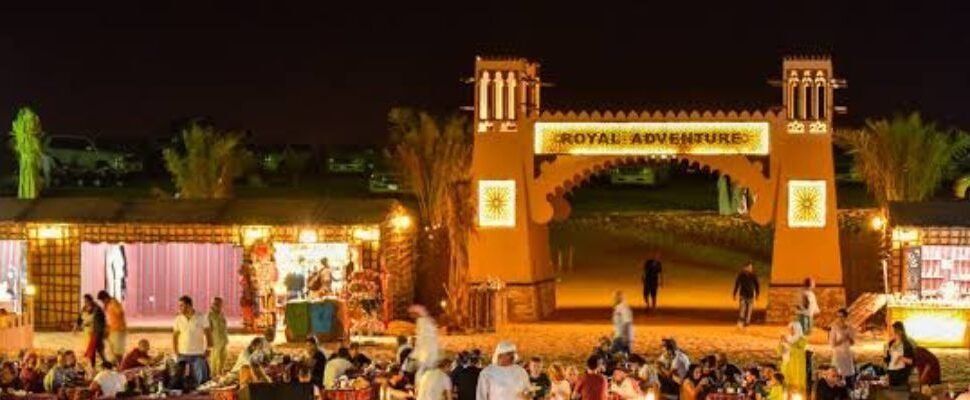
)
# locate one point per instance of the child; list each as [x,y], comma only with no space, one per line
[776,387]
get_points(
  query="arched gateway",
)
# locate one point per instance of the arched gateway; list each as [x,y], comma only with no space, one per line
[525,160]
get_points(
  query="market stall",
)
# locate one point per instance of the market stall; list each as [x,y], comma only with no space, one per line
[929,272]
[258,254]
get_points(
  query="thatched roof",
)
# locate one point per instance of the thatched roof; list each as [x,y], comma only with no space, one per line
[933,213]
[317,211]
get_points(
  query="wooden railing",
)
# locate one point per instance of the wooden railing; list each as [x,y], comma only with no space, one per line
[17,330]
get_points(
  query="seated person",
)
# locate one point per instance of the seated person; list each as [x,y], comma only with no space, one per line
[32,373]
[337,367]
[316,360]
[109,382]
[9,379]
[830,386]
[927,367]
[752,384]
[139,357]
[623,386]
[776,387]
[725,371]
[359,360]
[66,373]
[398,385]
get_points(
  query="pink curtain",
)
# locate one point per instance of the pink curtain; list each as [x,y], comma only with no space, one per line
[159,273]
[13,269]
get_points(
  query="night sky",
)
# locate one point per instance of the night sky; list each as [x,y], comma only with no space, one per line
[328,73]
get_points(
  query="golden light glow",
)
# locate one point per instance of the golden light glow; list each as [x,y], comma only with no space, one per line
[877,223]
[402,222]
[308,236]
[646,138]
[806,204]
[250,234]
[933,326]
[56,231]
[30,290]
[496,203]
[367,234]
[906,235]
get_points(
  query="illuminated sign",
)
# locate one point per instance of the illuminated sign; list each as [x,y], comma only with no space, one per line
[806,204]
[646,138]
[496,203]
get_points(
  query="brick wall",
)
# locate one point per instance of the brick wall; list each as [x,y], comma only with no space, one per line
[782,301]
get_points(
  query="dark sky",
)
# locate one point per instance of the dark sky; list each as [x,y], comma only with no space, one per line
[328,73]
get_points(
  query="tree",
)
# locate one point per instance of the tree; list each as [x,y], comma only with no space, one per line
[905,158]
[26,134]
[208,163]
[434,155]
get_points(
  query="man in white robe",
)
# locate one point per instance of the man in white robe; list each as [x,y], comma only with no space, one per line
[504,379]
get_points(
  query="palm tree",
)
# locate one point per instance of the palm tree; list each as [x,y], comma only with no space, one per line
[434,155]
[208,164]
[26,134]
[905,158]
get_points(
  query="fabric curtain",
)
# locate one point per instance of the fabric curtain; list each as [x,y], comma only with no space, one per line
[13,272]
[157,274]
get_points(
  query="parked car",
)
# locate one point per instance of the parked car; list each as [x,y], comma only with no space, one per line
[961,187]
[387,183]
[636,176]
[76,158]
[347,164]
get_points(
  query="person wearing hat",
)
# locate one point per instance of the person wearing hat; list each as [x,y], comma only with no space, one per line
[504,379]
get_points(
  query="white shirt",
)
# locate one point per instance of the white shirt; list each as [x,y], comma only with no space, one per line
[432,385]
[336,368]
[811,309]
[561,390]
[110,382]
[678,365]
[627,390]
[623,321]
[502,383]
[191,332]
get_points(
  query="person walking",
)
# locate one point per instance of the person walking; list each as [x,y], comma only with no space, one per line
[652,280]
[841,339]
[622,324]
[117,327]
[746,291]
[192,339]
[504,379]
[220,337]
[92,323]
[807,306]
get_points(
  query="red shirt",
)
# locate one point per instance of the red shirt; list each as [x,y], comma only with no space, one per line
[131,360]
[592,386]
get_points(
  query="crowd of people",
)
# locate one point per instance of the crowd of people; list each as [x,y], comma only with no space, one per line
[420,371]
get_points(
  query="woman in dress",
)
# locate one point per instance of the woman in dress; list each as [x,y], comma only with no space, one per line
[92,323]
[841,339]
[899,356]
[793,365]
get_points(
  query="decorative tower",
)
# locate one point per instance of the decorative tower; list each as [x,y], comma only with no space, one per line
[506,244]
[806,220]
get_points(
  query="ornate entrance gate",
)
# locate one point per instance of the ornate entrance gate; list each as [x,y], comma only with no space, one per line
[525,161]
